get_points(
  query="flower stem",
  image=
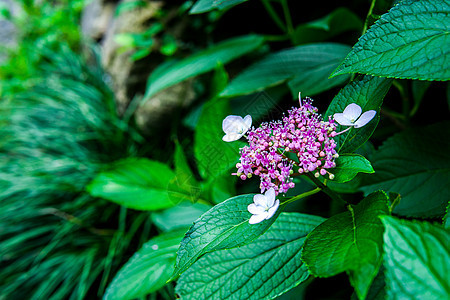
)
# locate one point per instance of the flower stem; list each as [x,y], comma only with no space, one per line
[303,195]
[276,38]
[325,189]
[345,130]
[287,16]
[403,90]
[366,22]
[274,15]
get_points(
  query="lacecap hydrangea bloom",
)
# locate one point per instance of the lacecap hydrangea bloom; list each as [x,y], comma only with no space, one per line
[302,142]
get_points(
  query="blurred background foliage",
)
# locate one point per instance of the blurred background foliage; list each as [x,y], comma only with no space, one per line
[86,104]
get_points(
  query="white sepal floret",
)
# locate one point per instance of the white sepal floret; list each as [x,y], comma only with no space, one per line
[351,116]
[264,206]
[235,127]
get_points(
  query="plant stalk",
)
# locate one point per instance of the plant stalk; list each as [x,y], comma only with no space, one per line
[274,15]
[366,22]
[326,189]
[287,17]
[303,195]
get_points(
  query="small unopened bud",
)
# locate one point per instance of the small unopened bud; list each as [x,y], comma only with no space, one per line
[243,177]
[317,175]
[331,176]
[249,175]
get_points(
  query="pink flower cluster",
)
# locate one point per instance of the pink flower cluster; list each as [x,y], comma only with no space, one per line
[302,142]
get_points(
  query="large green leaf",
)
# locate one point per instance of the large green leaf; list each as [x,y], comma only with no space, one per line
[411,41]
[202,6]
[417,260]
[222,227]
[333,24]
[368,92]
[137,183]
[350,241]
[148,269]
[201,62]
[305,68]
[214,156]
[263,269]
[349,165]
[415,164]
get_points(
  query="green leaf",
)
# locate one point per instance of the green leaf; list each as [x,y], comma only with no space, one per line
[136,183]
[417,260]
[348,165]
[264,269]
[123,7]
[182,215]
[184,180]
[202,6]
[222,188]
[305,68]
[201,62]
[260,105]
[148,269]
[368,92]
[219,80]
[418,88]
[169,46]
[448,95]
[410,41]
[350,241]
[348,187]
[353,185]
[140,54]
[377,288]
[214,156]
[333,24]
[222,227]
[415,164]
[446,219]
[182,169]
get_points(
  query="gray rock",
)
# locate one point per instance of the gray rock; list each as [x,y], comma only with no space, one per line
[96,17]
[129,77]
[8,31]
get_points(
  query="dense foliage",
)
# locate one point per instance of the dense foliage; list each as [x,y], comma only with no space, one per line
[344,196]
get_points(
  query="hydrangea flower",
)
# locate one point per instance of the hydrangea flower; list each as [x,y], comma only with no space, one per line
[264,207]
[300,143]
[351,116]
[235,127]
